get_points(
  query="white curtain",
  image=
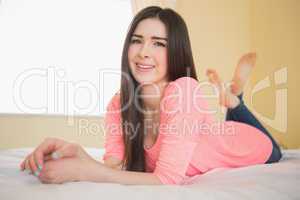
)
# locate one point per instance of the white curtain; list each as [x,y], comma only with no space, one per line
[138,5]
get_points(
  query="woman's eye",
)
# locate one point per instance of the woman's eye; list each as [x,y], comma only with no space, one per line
[135,41]
[160,44]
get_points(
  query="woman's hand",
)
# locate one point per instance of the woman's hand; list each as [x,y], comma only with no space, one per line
[52,148]
[79,168]
[59,161]
[61,170]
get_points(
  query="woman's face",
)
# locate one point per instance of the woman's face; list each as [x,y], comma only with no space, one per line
[147,53]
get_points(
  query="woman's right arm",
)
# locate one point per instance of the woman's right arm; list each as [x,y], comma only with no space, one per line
[113,145]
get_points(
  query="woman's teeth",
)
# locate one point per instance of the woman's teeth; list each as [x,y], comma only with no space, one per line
[144,67]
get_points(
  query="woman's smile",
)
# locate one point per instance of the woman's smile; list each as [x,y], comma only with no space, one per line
[144,67]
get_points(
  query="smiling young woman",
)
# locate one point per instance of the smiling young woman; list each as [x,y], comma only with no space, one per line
[157,130]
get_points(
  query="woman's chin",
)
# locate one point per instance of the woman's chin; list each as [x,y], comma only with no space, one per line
[146,82]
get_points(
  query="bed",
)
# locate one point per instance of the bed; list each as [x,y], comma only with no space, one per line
[275,181]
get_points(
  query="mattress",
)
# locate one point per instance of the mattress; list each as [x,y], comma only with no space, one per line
[270,181]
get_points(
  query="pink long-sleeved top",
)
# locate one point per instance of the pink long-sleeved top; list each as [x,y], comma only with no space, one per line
[189,141]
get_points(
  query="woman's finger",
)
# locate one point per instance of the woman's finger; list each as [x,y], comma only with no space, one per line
[33,166]
[22,165]
[47,157]
[39,158]
[47,147]
[27,167]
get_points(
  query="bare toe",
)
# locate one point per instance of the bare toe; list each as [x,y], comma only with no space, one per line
[213,77]
[242,72]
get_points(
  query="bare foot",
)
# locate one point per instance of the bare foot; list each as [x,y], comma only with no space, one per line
[227,99]
[242,72]
[214,78]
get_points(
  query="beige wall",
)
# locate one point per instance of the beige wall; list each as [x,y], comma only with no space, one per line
[221,31]
[275,35]
[29,130]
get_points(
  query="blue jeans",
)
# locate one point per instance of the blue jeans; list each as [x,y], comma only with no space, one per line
[242,114]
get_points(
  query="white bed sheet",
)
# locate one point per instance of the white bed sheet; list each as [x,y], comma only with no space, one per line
[275,181]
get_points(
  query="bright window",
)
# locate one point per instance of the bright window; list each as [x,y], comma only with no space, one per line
[61,56]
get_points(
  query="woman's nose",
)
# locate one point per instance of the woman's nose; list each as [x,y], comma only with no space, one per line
[144,51]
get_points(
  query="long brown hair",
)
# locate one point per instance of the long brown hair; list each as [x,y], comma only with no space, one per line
[180,64]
